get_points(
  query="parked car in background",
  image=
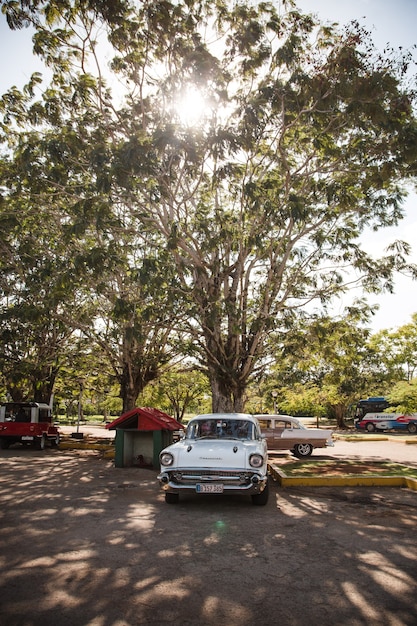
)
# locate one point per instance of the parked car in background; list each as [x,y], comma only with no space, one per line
[284,432]
[28,423]
[387,421]
[219,453]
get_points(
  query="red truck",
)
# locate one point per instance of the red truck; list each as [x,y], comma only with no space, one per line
[29,423]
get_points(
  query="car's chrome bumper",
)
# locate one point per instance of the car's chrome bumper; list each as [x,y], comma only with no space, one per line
[233,482]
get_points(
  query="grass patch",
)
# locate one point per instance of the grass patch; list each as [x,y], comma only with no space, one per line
[347,468]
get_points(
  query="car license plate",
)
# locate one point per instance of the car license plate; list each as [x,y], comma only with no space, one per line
[215,488]
[27,438]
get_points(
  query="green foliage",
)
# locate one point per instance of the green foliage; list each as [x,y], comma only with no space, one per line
[399,349]
[403,397]
[178,391]
[327,364]
[302,400]
[162,236]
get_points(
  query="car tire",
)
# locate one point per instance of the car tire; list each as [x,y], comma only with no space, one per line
[370,427]
[260,499]
[412,428]
[4,443]
[171,498]
[303,450]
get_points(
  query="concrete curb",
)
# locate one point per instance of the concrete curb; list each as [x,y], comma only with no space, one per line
[340,481]
[84,445]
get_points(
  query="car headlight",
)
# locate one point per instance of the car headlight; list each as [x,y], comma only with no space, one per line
[256,460]
[166,459]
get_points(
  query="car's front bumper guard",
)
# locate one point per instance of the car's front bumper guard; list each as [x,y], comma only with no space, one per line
[253,482]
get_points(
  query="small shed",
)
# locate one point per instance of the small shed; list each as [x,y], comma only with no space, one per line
[141,434]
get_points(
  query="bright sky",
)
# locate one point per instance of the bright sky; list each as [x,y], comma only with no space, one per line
[390,21]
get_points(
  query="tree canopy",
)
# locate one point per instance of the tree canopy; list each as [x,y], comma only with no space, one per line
[305,138]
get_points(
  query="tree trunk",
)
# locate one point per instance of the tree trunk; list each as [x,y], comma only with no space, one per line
[226,398]
[339,410]
[43,381]
[133,381]
[129,394]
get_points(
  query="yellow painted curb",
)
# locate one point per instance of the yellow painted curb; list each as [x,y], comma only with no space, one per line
[360,437]
[341,481]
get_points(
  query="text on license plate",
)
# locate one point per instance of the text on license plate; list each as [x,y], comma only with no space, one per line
[215,488]
[27,438]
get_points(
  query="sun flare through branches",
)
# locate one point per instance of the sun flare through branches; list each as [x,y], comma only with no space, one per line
[191,107]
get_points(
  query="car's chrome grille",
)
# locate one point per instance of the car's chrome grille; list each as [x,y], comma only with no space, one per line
[194,476]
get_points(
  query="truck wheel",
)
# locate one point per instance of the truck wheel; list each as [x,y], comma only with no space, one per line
[412,428]
[303,450]
[40,442]
[4,443]
[370,427]
[55,441]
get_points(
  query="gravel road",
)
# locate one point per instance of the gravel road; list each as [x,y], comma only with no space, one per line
[84,543]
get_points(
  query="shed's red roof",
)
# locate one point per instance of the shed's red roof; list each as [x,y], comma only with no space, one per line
[145,418]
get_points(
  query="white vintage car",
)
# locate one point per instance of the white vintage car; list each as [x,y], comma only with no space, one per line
[284,432]
[219,453]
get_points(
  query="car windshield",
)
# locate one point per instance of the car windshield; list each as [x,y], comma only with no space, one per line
[221,429]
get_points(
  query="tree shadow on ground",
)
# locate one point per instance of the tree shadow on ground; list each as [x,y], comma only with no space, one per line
[83,542]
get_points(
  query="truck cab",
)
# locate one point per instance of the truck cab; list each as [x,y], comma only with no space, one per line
[29,423]
[374,404]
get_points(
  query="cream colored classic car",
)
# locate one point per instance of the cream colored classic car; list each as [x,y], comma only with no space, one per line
[284,432]
[219,453]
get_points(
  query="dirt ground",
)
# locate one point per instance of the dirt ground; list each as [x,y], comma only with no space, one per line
[85,543]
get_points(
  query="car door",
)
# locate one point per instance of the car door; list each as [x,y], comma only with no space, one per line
[289,434]
[273,430]
[267,431]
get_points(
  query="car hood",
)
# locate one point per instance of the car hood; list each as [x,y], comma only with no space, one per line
[217,453]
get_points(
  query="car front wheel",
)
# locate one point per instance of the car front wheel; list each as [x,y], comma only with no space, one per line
[260,499]
[171,498]
[412,428]
[303,450]
[370,427]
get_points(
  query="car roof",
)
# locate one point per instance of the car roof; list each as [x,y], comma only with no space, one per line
[223,416]
[275,416]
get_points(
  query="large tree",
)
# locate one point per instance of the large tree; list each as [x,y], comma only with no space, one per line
[329,361]
[398,350]
[35,293]
[306,139]
[264,204]
[136,321]
[115,285]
